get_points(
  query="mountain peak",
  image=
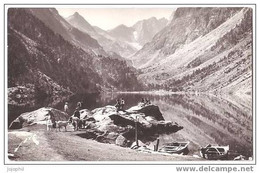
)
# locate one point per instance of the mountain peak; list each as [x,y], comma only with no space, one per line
[80,22]
[122,26]
[152,18]
[76,14]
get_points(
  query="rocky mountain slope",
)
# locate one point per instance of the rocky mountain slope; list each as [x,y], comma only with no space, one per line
[146,29]
[39,50]
[140,33]
[110,44]
[122,40]
[201,49]
[122,32]
[58,24]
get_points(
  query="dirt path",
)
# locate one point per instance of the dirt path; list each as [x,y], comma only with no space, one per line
[68,146]
[31,146]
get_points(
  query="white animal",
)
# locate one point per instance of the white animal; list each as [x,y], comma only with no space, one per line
[60,124]
[75,122]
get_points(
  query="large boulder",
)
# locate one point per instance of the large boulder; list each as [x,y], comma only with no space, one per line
[121,141]
[111,137]
[99,114]
[37,117]
[85,114]
[148,119]
[122,120]
[151,111]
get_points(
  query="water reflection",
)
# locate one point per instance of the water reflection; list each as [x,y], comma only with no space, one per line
[206,119]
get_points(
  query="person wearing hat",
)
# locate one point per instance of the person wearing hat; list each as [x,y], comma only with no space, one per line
[66,107]
[79,105]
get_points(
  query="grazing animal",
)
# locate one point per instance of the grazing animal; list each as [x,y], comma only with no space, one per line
[60,124]
[75,122]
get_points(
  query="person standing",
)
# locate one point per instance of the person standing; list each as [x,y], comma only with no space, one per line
[50,113]
[79,105]
[51,118]
[76,113]
[142,103]
[66,107]
[122,104]
[118,105]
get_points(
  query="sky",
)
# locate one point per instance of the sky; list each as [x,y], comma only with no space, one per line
[109,18]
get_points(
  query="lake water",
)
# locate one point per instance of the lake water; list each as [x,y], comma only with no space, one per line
[206,119]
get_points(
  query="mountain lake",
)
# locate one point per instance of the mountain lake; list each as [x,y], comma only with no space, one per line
[207,119]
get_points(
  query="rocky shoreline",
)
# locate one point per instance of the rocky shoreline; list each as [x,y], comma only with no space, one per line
[106,125]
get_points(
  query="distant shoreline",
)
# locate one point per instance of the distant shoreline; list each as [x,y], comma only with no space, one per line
[163,92]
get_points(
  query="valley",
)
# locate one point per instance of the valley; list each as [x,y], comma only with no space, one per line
[197,65]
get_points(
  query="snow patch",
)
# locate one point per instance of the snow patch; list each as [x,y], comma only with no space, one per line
[135,35]
[135,45]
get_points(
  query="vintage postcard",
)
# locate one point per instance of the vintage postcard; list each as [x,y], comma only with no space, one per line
[130,84]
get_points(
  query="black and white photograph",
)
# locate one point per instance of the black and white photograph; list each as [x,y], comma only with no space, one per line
[130,83]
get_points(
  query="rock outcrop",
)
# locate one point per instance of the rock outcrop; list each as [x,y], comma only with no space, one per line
[37,117]
[107,125]
[119,127]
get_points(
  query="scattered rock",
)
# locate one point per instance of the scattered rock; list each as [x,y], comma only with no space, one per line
[121,141]
[111,137]
[134,145]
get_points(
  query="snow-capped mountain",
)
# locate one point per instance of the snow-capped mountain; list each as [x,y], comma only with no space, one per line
[201,49]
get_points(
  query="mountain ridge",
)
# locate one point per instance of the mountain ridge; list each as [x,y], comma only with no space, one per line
[190,61]
[58,24]
[109,43]
[34,49]
[123,40]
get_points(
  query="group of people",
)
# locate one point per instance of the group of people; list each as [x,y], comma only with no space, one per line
[76,112]
[120,103]
[74,119]
[145,102]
